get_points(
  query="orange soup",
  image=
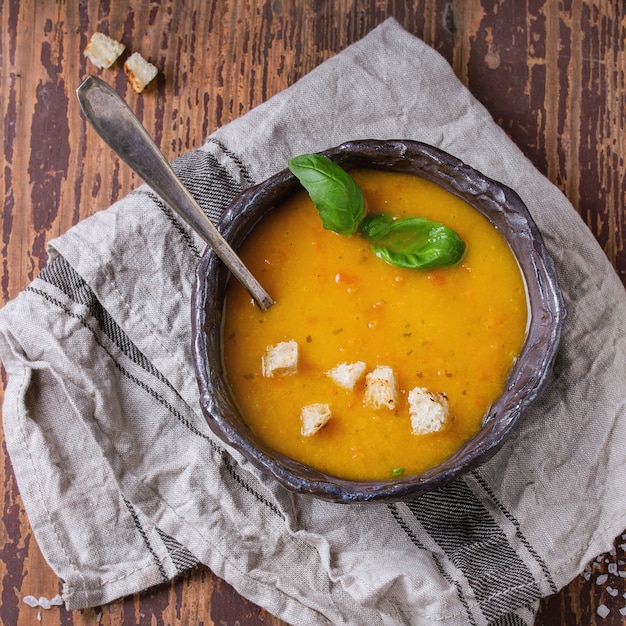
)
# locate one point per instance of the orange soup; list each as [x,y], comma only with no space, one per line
[454,331]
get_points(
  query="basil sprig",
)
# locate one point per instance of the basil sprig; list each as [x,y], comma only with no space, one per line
[413,242]
[410,242]
[337,197]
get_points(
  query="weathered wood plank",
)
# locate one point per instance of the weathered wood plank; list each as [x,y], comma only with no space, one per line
[551,74]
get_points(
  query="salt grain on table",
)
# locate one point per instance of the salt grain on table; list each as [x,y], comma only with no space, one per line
[44,603]
[612,569]
[600,580]
[603,611]
[611,591]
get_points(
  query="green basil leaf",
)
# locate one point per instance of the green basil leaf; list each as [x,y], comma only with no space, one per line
[412,242]
[335,194]
[419,243]
[376,225]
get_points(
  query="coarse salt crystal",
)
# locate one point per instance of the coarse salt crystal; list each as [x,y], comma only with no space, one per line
[600,580]
[603,611]
[586,575]
[611,591]
[622,573]
[623,610]
[43,602]
[612,569]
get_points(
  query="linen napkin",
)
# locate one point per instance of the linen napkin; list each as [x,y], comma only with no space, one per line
[124,484]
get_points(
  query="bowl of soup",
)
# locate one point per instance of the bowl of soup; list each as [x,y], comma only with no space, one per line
[367,381]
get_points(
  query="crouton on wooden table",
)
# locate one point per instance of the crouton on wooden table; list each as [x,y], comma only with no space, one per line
[103,51]
[139,72]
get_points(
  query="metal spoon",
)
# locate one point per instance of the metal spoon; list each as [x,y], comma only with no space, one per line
[114,121]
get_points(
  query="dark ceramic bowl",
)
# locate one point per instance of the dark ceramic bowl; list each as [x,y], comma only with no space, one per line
[528,377]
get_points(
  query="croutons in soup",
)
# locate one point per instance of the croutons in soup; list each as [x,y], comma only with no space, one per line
[363,370]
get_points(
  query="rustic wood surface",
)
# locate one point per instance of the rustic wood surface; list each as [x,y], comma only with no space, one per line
[551,73]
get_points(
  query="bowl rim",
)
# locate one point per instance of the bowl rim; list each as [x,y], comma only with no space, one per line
[500,204]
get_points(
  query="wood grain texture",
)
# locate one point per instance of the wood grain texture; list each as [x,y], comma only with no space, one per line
[552,75]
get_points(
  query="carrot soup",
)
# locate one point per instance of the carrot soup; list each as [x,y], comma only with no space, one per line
[453,331]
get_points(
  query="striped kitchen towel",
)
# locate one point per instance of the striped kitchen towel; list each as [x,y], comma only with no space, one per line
[124,484]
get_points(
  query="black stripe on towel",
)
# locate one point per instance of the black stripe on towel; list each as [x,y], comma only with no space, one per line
[542,564]
[182,558]
[174,220]
[393,508]
[209,182]
[61,275]
[510,619]
[245,174]
[473,542]
[145,538]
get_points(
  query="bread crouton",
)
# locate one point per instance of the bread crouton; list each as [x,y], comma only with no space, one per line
[346,375]
[281,359]
[314,417]
[380,388]
[429,411]
[103,51]
[139,72]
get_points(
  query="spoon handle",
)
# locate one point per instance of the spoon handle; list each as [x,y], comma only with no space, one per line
[114,121]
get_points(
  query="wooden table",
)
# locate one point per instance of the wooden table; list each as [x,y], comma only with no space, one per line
[551,73]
